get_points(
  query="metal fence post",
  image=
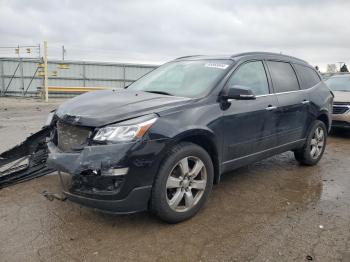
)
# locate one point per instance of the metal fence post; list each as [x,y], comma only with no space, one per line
[22,76]
[124,75]
[84,75]
[2,92]
[46,92]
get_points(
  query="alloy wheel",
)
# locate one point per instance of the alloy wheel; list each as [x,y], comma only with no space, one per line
[186,184]
[317,143]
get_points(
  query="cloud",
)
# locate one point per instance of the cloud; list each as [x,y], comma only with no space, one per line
[156,31]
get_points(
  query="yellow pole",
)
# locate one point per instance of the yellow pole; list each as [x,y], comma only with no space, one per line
[46,92]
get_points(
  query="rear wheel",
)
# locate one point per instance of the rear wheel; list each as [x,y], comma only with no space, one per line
[315,145]
[183,183]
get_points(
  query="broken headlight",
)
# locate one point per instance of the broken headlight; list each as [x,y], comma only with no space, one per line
[125,131]
[49,118]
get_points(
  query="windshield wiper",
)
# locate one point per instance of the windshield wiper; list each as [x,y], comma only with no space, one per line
[159,92]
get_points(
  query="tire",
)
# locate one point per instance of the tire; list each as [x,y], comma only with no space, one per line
[175,183]
[308,155]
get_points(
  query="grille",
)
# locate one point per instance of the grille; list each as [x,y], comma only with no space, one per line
[340,109]
[70,137]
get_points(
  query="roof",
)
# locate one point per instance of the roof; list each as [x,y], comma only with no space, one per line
[246,55]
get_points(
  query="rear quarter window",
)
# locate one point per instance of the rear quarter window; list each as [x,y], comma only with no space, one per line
[283,77]
[307,76]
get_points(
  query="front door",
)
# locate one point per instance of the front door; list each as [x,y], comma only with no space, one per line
[250,125]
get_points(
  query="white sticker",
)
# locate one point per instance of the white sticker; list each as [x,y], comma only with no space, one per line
[216,65]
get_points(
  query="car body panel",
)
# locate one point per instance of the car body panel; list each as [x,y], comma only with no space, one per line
[293,115]
[100,108]
[249,127]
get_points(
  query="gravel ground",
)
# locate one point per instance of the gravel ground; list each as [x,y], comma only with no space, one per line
[274,210]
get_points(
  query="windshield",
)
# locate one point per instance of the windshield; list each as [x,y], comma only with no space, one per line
[339,83]
[183,78]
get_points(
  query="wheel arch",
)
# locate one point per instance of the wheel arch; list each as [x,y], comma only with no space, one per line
[324,117]
[205,139]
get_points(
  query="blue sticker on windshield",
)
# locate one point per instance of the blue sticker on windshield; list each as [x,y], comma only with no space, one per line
[216,65]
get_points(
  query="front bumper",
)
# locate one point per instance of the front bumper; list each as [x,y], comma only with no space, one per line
[341,120]
[136,201]
[87,180]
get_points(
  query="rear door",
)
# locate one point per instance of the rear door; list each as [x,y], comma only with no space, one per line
[293,102]
[308,79]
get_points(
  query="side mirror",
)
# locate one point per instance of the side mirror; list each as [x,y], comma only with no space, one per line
[239,93]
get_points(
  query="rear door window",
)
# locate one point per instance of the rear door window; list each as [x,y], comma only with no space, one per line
[283,77]
[251,76]
[307,76]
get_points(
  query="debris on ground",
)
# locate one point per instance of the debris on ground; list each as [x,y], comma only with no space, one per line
[26,160]
[51,196]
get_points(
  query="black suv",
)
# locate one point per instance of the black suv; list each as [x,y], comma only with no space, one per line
[162,143]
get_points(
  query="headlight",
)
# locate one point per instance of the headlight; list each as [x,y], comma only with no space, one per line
[49,118]
[126,131]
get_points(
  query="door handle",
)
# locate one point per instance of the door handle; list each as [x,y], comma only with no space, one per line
[269,108]
[305,102]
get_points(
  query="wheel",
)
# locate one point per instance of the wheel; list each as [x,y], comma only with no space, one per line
[183,183]
[315,145]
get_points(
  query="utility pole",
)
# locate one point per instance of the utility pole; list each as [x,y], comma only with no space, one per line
[63,52]
[17,52]
[46,92]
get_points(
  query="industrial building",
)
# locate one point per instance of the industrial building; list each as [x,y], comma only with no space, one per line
[24,76]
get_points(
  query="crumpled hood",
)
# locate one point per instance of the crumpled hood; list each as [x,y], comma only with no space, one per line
[340,96]
[109,106]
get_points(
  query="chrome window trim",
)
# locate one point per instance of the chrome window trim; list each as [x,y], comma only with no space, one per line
[269,77]
[288,92]
[281,93]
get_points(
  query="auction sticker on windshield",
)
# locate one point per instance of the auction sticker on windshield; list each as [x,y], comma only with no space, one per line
[216,65]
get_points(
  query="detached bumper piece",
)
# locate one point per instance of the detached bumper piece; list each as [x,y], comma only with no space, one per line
[25,161]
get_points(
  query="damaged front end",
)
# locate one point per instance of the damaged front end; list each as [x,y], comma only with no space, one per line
[106,164]
[113,177]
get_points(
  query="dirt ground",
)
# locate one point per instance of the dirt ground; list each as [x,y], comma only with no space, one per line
[274,210]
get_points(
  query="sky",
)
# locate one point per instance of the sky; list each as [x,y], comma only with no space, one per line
[159,31]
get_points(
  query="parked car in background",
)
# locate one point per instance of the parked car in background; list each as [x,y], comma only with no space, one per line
[160,144]
[340,85]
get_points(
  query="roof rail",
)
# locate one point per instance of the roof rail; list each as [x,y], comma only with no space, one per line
[188,56]
[268,53]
